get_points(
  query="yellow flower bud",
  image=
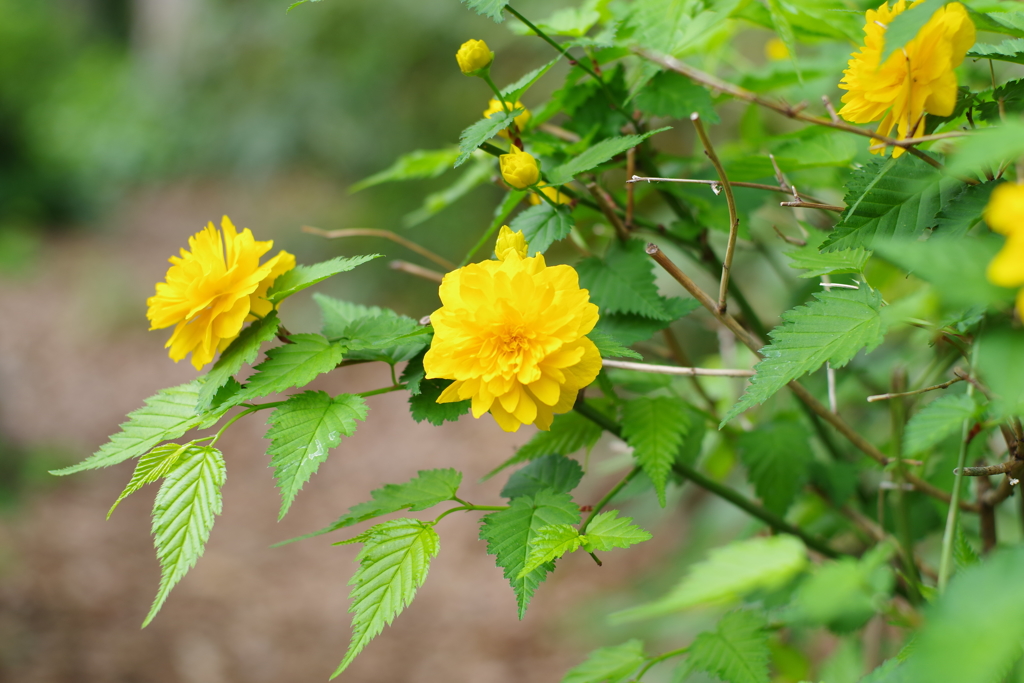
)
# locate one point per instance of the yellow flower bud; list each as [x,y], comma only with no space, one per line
[776,50]
[552,193]
[474,56]
[519,169]
[510,243]
[495,106]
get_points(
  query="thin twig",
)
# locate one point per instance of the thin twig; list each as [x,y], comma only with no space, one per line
[789,240]
[886,397]
[814,205]
[630,190]
[559,132]
[607,498]
[988,470]
[908,142]
[676,370]
[418,271]
[386,234]
[608,209]
[715,184]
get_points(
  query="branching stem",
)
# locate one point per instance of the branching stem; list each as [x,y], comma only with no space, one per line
[730,200]
[386,234]
[614,491]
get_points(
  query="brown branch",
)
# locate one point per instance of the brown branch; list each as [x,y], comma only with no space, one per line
[676,370]
[986,470]
[604,202]
[789,240]
[418,271]
[814,205]
[386,234]
[885,397]
[715,184]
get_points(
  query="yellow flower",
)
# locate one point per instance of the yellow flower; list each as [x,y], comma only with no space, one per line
[473,56]
[510,241]
[495,106]
[776,50]
[212,289]
[519,168]
[552,193]
[1005,215]
[511,333]
[917,79]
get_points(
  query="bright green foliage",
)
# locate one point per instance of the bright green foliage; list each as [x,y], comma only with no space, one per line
[736,651]
[1001,368]
[608,664]
[292,365]
[167,415]
[623,282]
[553,471]
[833,328]
[597,155]
[780,22]
[301,277]
[815,264]
[423,163]
[608,531]
[778,457]
[543,225]
[569,433]
[655,429]
[963,211]
[482,131]
[392,565]
[964,554]
[548,544]
[941,418]
[608,347]
[509,535]
[675,95]
[488,8]
[151,467]
[479,172]
[242,351]
[905,26]
[887,198]
[1005,23]
[371,333]
[989,147]
[729,573]
[630,328]
[303,431]
[512,92]
[1007,51]
[571,21]
[183,516]
[424,405]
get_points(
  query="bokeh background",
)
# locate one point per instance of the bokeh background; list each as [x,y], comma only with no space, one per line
[126,125]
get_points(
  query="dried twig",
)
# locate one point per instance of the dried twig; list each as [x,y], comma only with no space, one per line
[716,185]
[885,397]
[418,271]
[676,370]
[386,234]
[814,205]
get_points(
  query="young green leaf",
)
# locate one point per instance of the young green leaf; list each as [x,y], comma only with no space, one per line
[549,544]
[482,131]
[608,664]
[597,155]
[393,564]
[729,573]
[512,93]
[302,432]
[293,365]
[183,516]
[166,415]
[301,277]
[778,458]
[543,225]
[423,163]
[736,651]
[152,466]
[509,534]
[675,95]
[623,281]
[609,347]
[941,418]
[370,332]
[569,433]
[607,531]
[655,428]
[488,8]
[242,351]
[1011,50]
[834,328]
[479,172]
[816,264]
[553,471]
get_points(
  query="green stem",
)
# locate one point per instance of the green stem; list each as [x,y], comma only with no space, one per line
[609,496]
[469,508]
[897,415]
[661,658]
[385,390]
[497,93]
[233,420]
[483,240]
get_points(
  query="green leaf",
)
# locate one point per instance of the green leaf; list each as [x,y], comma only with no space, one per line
[941,418]
[963,211]
[369,332]
[630,328]
[608,531]
[736,651]
[887,198]
[509,534]
[183,515]
[655,429]
[424,405]
[816,264]
[608,664]
[512,93]
[623,281]
[987,148]
[834,328]
[302,432]
[293,365]
[1005,23]
[301,277]
[597,155]
[393,564]
[1010,94]
[488,8]
[152,466]
[729,573]
[1001,367]
[569,433]
[964,554]
[1011,50]
[675,95]
[482,131]
[166,415]
[242,351]
[543,225]
[553,471]
[423,163]
[479,172]
[608,347]
[549,544]
[778,458]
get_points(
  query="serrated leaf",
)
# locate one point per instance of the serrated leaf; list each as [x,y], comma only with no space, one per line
[166,415]
[183,515]
[623,281]
[608,347]
[393,564]
[293,365]
[479,172]
[597,155]
[424,406]
[514,91]
[242,351]
[301,277]
[905,26]
[964,211]
[729,573]
[834,328]
[1009,95]
[370,332]
[423,163]
[509,534]
[987,148]
[816,264]
[553,471]
[1005,23]
[1011,50]
[888,198]
[152,466]
[655,429]
[608,664]
[569,433]
[964,554]
[736,651]
[543,225]
[302,432]
[488,8]
[671,94]
[608,531]
[482,131]
[549,544]
[778,458]
[941,418]
[630,328]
